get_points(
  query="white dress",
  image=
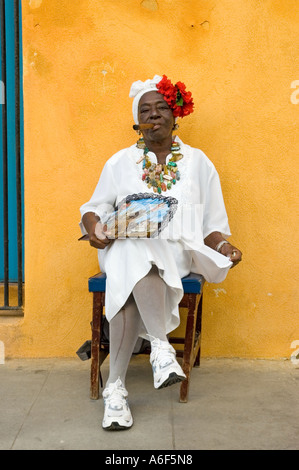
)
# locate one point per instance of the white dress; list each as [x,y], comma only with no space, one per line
[180,248]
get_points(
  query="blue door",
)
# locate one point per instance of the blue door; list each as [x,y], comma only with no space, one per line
[11,164]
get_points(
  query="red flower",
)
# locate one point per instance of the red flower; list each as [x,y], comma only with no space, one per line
[167,89]
[184,102]
[176,96]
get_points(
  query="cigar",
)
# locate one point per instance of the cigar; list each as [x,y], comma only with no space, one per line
[139,127]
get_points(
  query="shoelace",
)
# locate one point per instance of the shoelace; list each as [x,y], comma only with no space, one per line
[168,354]
[115,395]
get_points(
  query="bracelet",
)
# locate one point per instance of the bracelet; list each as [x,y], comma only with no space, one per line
[220,245]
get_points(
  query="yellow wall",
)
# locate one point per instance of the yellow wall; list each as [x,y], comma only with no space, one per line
[238,58]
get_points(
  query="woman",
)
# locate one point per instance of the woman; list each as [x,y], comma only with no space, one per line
[143,286]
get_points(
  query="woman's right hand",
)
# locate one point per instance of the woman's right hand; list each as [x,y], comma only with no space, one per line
[96,231]
[97,237]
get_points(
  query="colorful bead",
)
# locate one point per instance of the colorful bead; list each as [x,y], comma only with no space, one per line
[160,177]
[140,159]
[140,143]
[175,147]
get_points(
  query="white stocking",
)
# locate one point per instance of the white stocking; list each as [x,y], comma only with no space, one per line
[150,295]
[144,308]
[124,329]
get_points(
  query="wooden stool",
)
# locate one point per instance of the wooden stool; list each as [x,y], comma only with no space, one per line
[192,300]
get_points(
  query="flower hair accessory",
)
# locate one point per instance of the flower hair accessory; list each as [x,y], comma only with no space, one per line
[176,96]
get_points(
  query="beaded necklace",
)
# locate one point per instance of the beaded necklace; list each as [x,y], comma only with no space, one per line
[160,176]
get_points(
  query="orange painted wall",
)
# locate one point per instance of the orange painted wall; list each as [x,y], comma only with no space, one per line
[239,58]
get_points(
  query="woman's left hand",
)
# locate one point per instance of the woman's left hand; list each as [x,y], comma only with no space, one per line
[233,253]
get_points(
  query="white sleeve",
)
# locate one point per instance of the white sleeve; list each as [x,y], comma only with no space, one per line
[215,216]
[103,200]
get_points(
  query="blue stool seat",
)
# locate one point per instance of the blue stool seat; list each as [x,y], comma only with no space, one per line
[192,284]
[192,301]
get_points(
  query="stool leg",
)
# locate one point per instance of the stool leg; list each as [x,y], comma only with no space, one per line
[97,313]
[198,330]
[188,347]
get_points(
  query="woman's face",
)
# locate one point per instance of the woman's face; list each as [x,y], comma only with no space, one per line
[153,109]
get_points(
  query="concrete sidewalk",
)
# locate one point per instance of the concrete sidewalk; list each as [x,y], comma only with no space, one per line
[233,404]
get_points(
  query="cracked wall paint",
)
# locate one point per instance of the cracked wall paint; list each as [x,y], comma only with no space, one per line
[205,25]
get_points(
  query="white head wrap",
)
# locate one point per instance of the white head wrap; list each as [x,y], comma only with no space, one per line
[138,89]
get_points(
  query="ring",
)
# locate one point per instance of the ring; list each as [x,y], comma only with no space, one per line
[234,253]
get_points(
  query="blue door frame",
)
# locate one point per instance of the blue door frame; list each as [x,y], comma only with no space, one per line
[8,86]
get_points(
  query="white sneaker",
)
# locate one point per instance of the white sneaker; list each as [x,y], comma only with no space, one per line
[166,369]
[117,413]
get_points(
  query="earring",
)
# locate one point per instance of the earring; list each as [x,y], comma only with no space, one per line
[175,127]
[140,143]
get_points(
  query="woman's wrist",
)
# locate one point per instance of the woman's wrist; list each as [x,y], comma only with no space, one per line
[216,241]
[90,219]
[220,245]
